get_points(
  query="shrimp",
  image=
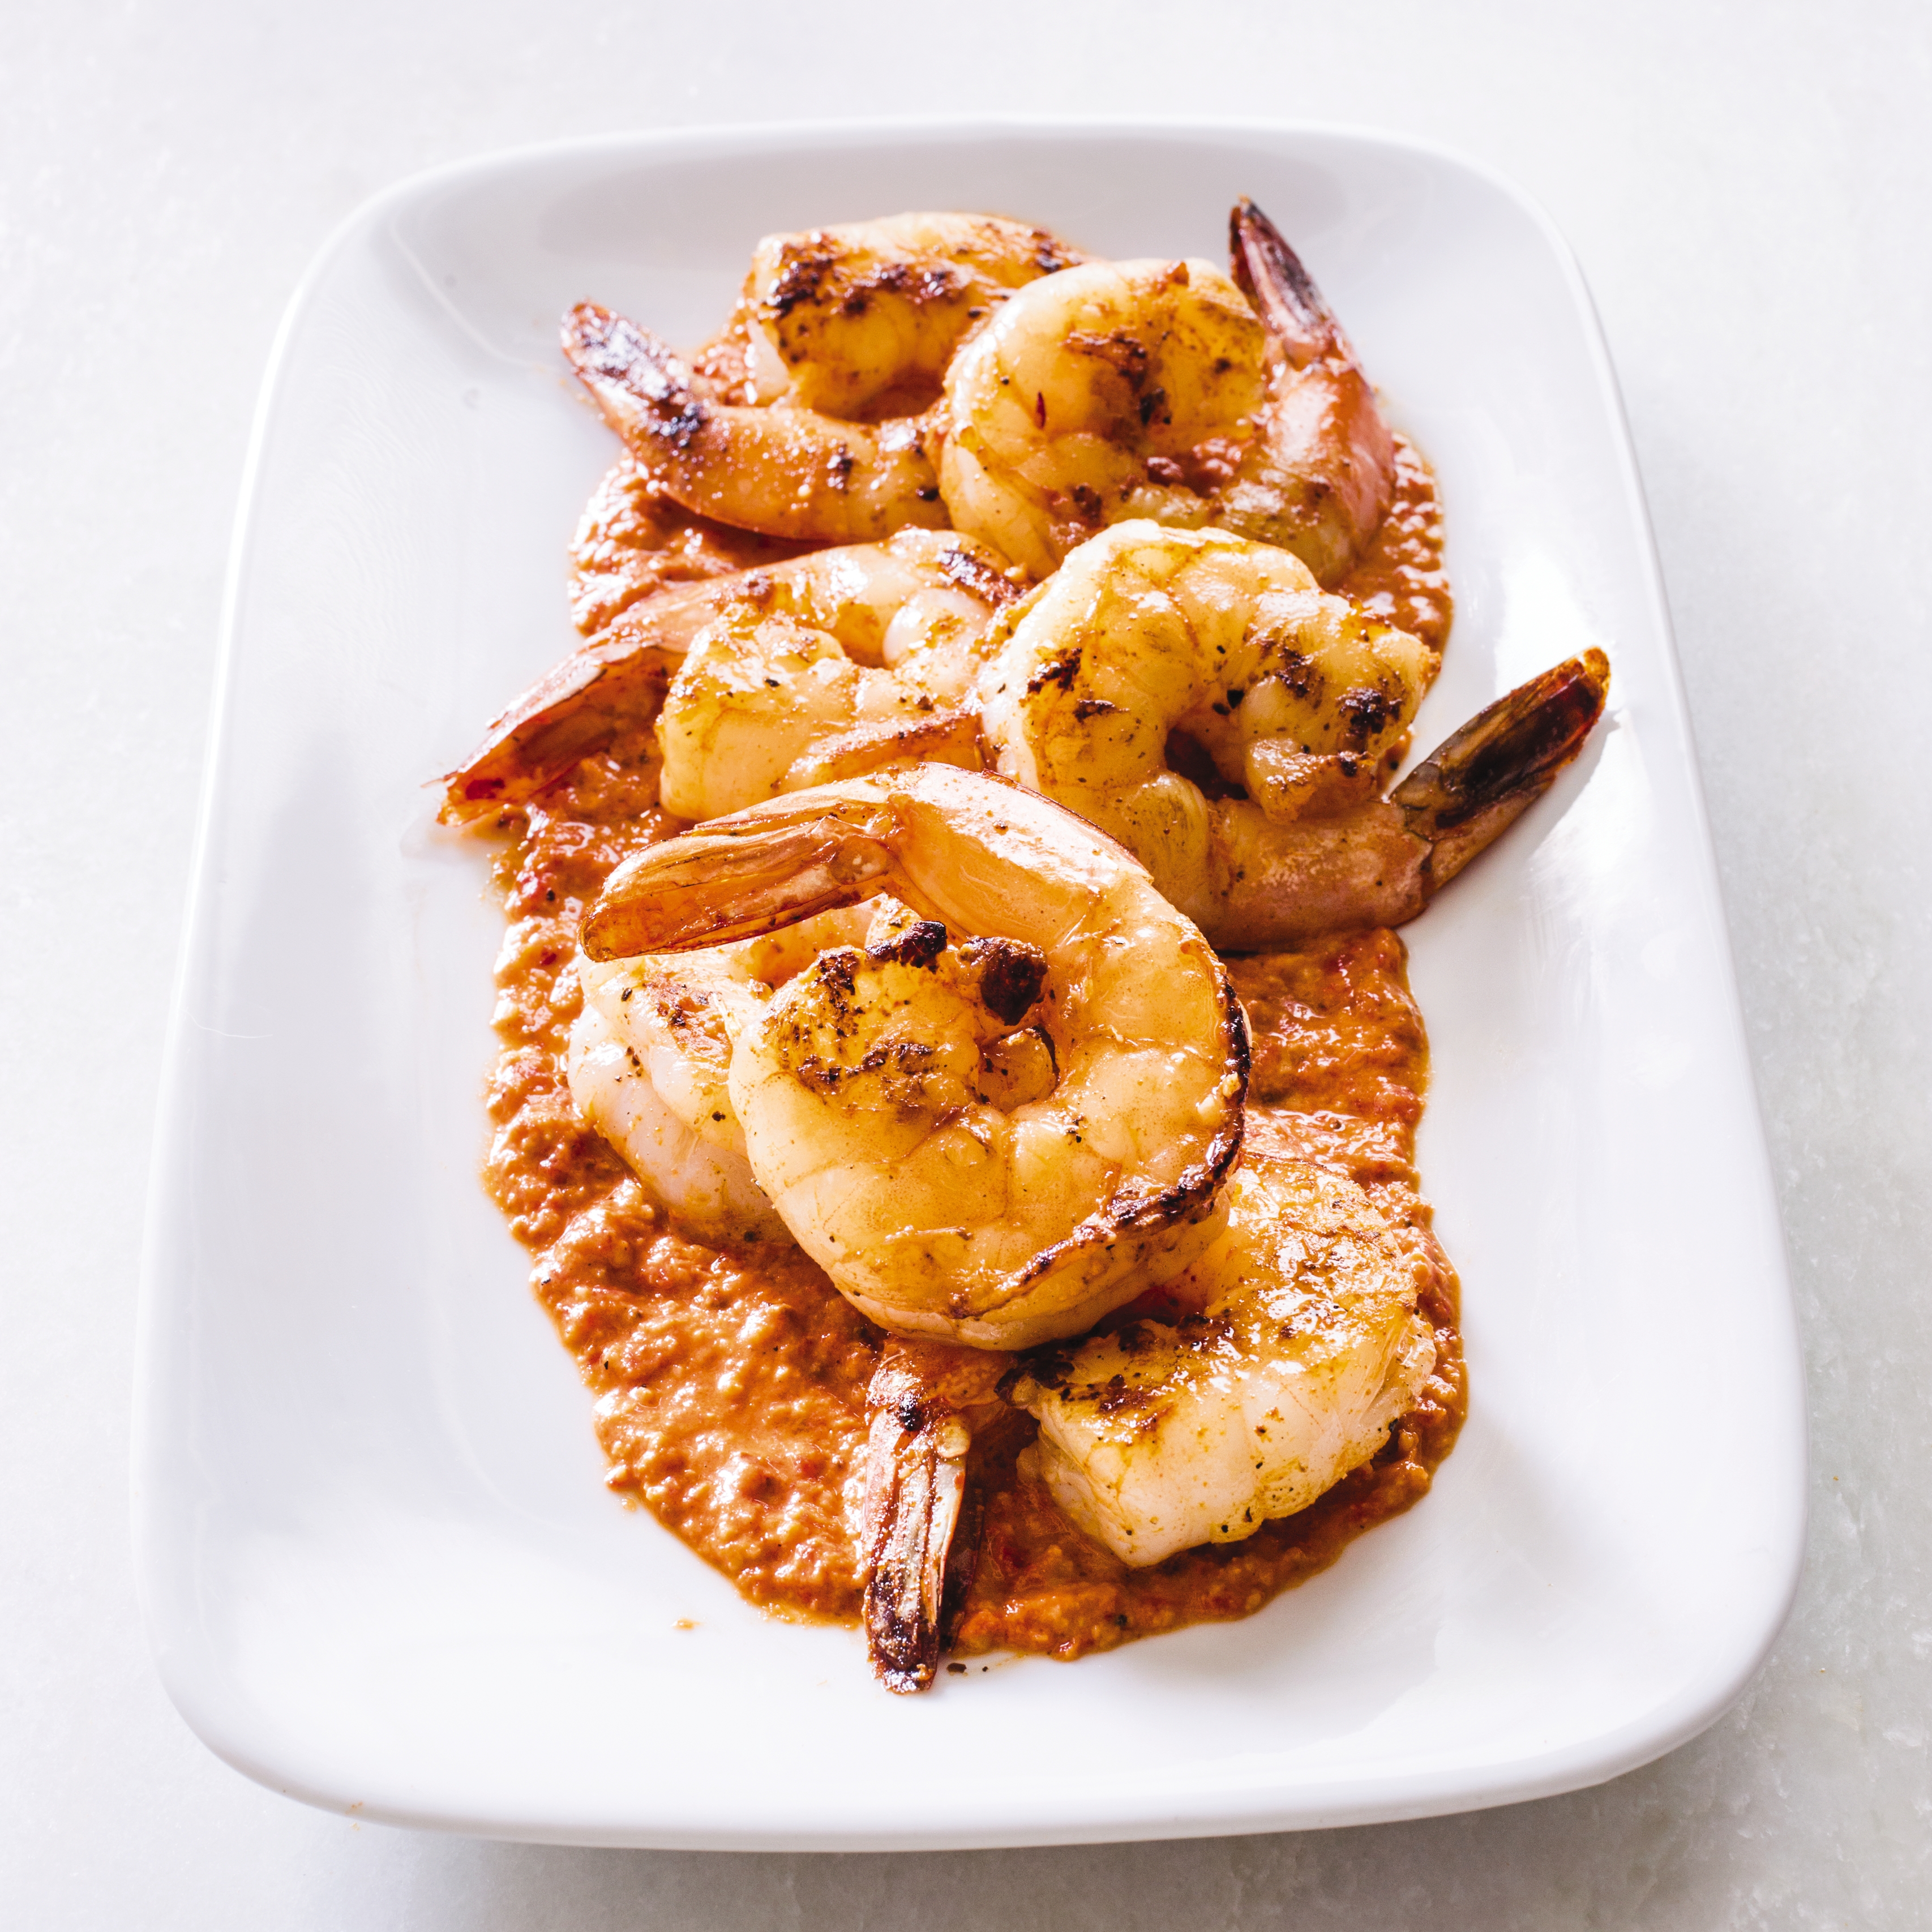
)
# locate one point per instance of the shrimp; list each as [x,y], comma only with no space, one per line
[1303,1344]
[647,1063]
[790,473]
[1294,703]
[991,1138]
[1152,389]
[921,599]
[923,1403]
[862,320]
[1286,693]
[865,659]
[1319,478]
[1381,865]
[1083,401]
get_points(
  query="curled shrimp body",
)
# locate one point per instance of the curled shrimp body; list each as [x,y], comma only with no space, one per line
[1018,1103]
[919,602]
[1079,404]
[1302,1343]
[1295,696]
[861,320]
[1294,702]
[867,657]
[648,1063]
[1167,390]
[793,473]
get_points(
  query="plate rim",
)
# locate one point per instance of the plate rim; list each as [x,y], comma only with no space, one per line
[205,1707]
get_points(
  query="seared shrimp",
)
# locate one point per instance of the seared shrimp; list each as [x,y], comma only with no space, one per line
[1381,865]
[893,601]
[1143,632]
[1152,389]
[1080,403]
[1294,701]
[866,659]
[648,1057]
[861,320]
[1300,1344]
[791,473]
[1013,1109]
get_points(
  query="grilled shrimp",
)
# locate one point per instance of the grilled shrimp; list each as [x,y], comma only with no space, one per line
[861,320]
[917,599]
[1293,700]
[1018,1104]
[1152,389]
[866,659]
[1288,694]
[1301,1344]
[847,332]
[1081,401]
[789,472]
[647,1064]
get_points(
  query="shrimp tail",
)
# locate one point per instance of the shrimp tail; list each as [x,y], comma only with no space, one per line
[1321,481]
[916,1449]
[1484,777]
[737,880]
[578,707]
[1270,275]
[575,710]
[644,389]
[949,737]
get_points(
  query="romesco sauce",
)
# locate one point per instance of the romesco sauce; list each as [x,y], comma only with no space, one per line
[728,1384]
[1400,578]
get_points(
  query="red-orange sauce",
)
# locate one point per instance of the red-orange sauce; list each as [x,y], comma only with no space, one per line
[1400,577]
[633,540]
[728,1386]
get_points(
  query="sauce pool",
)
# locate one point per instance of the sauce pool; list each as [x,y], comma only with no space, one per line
[728,1385]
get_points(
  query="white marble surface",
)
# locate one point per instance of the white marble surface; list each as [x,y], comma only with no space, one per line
[1749,187]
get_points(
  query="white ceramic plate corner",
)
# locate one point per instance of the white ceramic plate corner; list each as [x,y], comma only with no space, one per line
[379,1565]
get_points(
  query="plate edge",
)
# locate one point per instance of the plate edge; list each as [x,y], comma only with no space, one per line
[215,1728]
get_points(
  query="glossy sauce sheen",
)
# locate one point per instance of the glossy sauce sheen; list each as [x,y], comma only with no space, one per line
[633,541]
[729,1386]
[1401,579]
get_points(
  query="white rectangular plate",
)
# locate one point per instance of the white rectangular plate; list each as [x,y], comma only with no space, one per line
[378,1563]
